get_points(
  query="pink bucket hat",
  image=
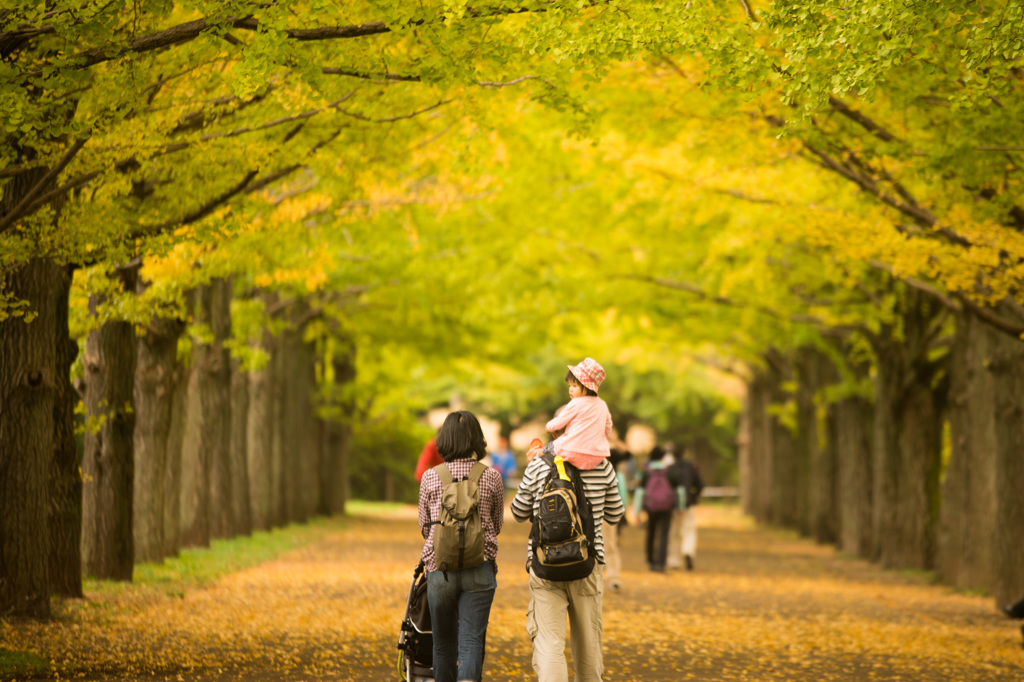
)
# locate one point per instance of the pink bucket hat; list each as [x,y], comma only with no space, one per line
[588,373]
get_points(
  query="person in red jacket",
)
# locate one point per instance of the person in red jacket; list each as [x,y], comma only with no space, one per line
[428,459]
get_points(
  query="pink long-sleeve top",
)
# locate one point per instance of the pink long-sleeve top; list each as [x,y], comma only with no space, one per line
[587,423]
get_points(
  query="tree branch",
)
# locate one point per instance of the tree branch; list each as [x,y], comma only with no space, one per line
[25,205]
[921,216]
[385,77]
[862,120]
[210,206]
[247,185]
[749,10]
[957,302]
[988,315]
[188,31]
[392,119]
[745,197]
[338,71]
[915,283]
[821,325]
[82,180]
[280,121]
[326,32]
[271,178]
[504,84]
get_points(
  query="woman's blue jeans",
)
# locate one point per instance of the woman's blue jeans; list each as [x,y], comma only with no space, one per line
[459,609]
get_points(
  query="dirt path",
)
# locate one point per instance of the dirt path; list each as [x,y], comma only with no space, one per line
[760,606]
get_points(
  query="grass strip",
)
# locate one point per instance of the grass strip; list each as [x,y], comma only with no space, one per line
[191,569]
[18,664]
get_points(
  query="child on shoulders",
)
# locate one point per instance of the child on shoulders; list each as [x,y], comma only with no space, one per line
[585,421]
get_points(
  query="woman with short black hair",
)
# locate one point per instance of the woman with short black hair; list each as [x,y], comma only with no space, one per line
[461,437]
[460,600]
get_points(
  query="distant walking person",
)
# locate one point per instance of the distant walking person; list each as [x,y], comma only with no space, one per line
[428,459]
[504,461]
[579,598]
[682,545]
[612,555]
[658,494]
[460,557]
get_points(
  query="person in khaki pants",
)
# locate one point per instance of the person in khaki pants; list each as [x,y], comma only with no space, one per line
[682,545]
[580,600]
[610,534]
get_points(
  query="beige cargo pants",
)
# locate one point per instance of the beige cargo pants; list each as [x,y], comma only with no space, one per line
[550,602]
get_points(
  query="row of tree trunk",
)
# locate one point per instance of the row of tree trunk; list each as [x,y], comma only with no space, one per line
[925,472]
[208,450]
[178,448]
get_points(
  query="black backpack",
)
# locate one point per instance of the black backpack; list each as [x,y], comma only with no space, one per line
[562,535]
[689,478]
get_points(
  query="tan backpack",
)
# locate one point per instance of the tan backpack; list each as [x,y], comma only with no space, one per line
[459,536]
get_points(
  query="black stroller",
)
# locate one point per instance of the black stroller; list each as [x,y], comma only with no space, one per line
[415,640]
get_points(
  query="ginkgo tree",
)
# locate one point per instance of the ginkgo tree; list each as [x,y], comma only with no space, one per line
[124,126]
[918,107]
[336,162]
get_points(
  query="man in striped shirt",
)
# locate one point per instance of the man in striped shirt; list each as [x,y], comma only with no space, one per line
[550,601]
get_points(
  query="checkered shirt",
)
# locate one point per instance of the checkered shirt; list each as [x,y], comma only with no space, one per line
[492,507]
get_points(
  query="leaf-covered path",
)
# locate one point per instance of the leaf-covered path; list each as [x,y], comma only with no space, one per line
[761,605]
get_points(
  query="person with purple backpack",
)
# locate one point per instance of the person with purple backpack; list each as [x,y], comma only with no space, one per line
[658,494]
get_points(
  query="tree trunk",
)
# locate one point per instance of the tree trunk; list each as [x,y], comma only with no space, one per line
[334,478]
[806,439]
[706,459]
[295,475]
[206,433]
[223,523]
[309,432]
[1007,367]
[745,453]
[175,444]
[853,416]
[824,499]
[337,431]
[967,526]
[260,439]
[30,375]
[65,473]
[107,464]
[818,373]
[907,442]
[756,482]
[279,488]
[785,505]
[154,398]
[240,504]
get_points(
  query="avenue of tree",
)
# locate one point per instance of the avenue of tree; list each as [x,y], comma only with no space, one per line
[242,250]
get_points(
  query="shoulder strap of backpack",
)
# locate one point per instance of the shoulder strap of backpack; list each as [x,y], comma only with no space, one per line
[443,473]
[446,477]
[477,471]
[557,468]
